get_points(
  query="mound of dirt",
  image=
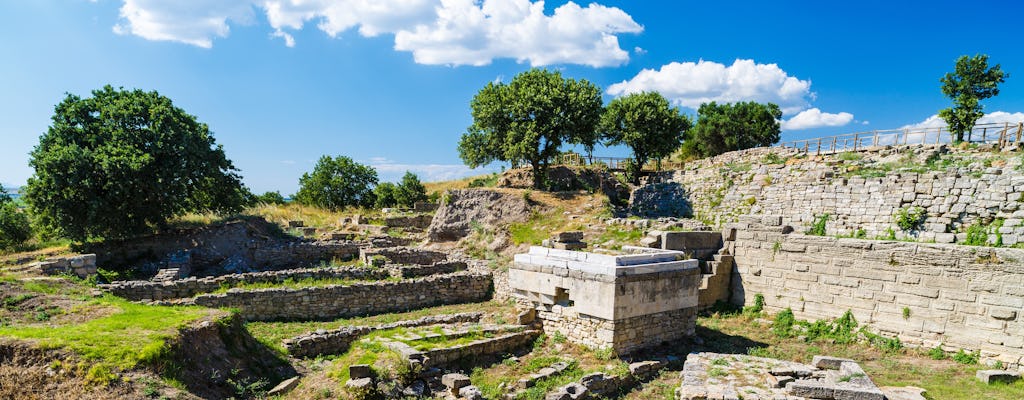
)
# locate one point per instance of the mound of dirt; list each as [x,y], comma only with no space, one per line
[563,178]
[460,209]
[220,359]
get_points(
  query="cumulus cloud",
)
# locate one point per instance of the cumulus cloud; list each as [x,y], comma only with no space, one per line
[690,84]
[446,32]
[996,117]
[814,118]
[390,170]
[183,22]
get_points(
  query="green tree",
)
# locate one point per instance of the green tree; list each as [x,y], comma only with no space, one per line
[336,183]
[274,197]
[647,124]
[410,190]
[730,127]
[14,225]
[971,82]
[385,195]
[528,120]
[123,161]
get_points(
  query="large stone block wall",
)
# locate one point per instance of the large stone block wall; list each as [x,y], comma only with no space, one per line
[188,287]
[982,188]
[330,302]
[959,296]
[403,255]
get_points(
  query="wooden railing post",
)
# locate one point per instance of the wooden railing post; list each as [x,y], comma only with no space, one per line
[818,150]
[984,134]
[874,139]
[906,136]
[832,149]
[1020,130]
[938,136]
[856,141]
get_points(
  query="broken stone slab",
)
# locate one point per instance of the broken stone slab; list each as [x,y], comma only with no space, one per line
[568,245]
[857,392]
[644,369]
[296,224]
[793,371]
[284,387]
[359,371]
[471,393]
[416,389]
[989,376]
[813,389]
[828,362]
[360,385]
[527,316]
[454,382]
[567,236]
[653,242]
[571,391]
[903,393]
[777,381]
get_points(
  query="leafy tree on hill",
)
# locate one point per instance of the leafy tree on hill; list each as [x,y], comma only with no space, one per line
[971,82]
[14,225]
[336,183]
[410,190]
[722,128]
[274,197]
[647,124]
[528,120]
[123,161]
[385,195]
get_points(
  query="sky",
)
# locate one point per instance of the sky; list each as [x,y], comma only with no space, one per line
[388,82]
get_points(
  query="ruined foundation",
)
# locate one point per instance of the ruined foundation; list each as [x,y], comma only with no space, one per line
[639,298]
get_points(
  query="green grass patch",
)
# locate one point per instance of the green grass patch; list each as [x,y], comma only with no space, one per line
[291,283]
[135,334]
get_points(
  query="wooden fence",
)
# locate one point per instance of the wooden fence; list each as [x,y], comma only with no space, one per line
[1000,134]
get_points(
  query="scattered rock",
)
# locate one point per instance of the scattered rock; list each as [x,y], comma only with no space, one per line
[284,387]
[903,393]
[989,376]
[455,382]
[359,371]
[471,393]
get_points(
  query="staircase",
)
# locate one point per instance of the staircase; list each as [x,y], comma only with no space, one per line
[716,260]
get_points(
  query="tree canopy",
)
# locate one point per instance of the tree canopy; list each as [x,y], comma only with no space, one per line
[410,190]
[122,161]
[647,124]
[971,82]
[14,225]
[336,183]
[528,120]
[722,128]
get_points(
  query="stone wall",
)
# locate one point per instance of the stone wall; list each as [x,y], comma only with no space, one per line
[926,294]
[955,188]
[416,271]
[501,344]
[183,288]
[624,335]
[82,265]
[403,255]
[338,341]
[330,302]
[421,221]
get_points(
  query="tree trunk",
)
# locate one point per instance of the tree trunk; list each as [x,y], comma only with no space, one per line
[538,178]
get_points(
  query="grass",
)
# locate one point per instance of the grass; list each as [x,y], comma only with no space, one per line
[620,236]
[135,334]
[272,333]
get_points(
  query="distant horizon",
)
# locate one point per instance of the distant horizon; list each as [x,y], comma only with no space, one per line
[390,85]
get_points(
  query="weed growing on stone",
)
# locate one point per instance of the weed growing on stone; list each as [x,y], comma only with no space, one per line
[909,219]
[906,312]
[936,353]
[782,326]
[818,228]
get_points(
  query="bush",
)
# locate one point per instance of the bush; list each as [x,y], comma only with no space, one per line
[410,190]
[818,229]
[909,219]
[274,197]
[14,225]
[782,326]
[385,194]
[966,358]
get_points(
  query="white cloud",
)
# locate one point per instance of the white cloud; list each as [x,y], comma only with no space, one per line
[690,84]
[814,118]
[180,21]
[995,117]
[447,32]
[392,171]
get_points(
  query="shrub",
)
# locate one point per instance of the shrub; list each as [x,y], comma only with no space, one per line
[966,358]
[410,190]
[818,228]
[758,305]
[336,183]
[385,195]
[909,219]
[274,197]
[14,225]
[936,353]
[782,326]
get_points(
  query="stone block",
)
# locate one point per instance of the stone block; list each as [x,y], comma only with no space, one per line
[903,393]
[296,224]
[359,371]
[828,362]
[569,245]
[567,236]
[454,382]
[687,241]
[811,389]
[989,376]
[284,387]
[471,393]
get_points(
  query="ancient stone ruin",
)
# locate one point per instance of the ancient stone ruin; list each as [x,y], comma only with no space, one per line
[627,301]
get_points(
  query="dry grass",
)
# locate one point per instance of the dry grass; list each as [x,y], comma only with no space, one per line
[443,186]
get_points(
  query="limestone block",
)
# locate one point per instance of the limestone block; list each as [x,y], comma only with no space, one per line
[989,376]
[284,387]
[359,371]
[828,362]
[471,393]
[567,236]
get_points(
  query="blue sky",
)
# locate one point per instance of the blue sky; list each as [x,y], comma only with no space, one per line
[388,82]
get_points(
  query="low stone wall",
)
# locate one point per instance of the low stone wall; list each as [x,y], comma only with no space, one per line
[484,347]
[82,265]
[338,341]
[409,221]
[416,271]
[330,302]
[183,288]
[403,255]
[926,294]
[299,253]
